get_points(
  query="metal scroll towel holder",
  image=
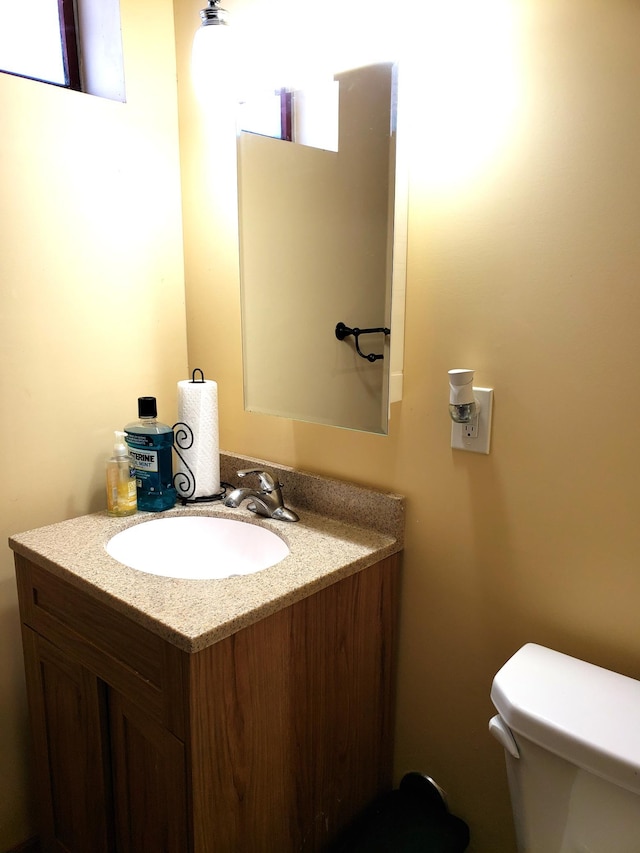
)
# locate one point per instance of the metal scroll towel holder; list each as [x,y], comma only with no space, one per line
[343,332]
[185,481]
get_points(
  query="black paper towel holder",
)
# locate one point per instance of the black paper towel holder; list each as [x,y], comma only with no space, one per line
[185,481]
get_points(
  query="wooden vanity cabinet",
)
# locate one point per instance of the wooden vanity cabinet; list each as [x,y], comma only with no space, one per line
[271,739]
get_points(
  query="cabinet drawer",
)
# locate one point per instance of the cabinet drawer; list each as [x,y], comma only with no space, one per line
[124,654]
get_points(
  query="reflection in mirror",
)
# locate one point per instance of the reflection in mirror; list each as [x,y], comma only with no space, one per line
[306,116]
[317,182]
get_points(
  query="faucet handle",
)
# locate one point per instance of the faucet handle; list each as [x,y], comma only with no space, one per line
[267,483]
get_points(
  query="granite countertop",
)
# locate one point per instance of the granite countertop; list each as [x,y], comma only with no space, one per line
[325,546]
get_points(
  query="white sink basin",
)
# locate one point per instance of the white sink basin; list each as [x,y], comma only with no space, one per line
[197,547]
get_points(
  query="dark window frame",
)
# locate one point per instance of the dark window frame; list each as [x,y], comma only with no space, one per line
[69,43]
[286,115]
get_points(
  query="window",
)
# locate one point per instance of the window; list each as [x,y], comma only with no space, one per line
[38,40]
[77,45]
[308,116]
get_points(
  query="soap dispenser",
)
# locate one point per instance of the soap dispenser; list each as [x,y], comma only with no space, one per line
[121,480]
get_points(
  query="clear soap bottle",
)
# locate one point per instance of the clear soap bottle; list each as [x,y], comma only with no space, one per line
[121,480]
[150,446]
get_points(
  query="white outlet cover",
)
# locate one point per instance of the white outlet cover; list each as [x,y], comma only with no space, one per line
[460,440]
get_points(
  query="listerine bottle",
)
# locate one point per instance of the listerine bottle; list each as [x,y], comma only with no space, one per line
[150,446]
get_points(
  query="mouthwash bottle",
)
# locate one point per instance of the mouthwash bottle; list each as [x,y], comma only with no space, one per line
[150,446]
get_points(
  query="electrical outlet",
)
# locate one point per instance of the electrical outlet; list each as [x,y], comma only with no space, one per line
[470,430]
[475,436]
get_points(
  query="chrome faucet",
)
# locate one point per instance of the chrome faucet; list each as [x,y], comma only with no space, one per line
[267,502]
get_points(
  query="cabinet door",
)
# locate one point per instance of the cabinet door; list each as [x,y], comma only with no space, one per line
[150,795]
[67,704]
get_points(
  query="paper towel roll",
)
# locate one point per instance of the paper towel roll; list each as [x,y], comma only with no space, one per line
[198,408]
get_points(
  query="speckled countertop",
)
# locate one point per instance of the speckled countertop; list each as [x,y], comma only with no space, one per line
[343,528]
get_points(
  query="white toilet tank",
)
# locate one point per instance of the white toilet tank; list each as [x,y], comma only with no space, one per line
[571,733]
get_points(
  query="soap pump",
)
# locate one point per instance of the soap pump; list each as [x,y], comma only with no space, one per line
[121,480]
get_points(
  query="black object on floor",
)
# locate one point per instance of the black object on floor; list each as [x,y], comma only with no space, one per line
[413,819]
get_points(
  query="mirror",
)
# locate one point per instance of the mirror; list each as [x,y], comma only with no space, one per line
[322,239]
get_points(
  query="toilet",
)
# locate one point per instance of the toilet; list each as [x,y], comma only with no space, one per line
[571,734]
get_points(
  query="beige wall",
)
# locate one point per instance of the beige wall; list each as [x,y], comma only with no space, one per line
[524,261]
[91,310]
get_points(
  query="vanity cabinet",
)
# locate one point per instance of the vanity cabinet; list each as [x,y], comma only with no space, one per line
[271,739]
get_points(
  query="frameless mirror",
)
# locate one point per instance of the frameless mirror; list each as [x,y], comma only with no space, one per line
[321,243]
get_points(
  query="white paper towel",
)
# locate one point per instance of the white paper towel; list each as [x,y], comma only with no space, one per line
[198,407]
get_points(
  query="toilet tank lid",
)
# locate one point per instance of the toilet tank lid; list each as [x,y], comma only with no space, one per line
[588,715]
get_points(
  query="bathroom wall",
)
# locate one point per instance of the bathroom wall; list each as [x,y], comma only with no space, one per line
[91,311]
[523,263]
